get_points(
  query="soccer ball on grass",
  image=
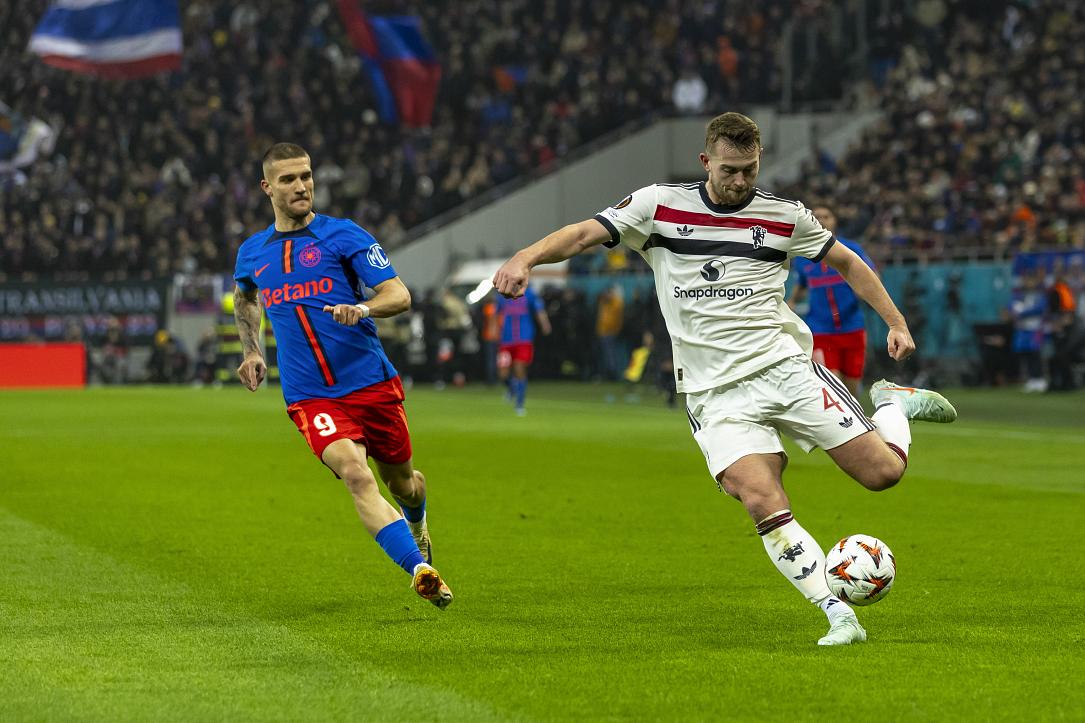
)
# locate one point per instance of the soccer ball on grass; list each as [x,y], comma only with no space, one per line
[860,569]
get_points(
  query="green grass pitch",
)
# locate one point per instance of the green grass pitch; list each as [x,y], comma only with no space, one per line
[178,554]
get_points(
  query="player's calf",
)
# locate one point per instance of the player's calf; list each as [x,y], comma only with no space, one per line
[374,511]
[882,472]
[754,480]
[382,520]
[870,461]
[408,486]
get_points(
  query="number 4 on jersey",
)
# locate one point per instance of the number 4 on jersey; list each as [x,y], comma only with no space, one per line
[829,401]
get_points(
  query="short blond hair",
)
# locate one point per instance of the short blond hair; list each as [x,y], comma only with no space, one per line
[734,129]
[282,152]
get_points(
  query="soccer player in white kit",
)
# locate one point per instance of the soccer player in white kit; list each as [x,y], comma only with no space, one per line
[719,250]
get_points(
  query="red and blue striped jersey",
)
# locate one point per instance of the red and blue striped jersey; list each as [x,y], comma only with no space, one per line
[834,308]
[297,273]
[518,317]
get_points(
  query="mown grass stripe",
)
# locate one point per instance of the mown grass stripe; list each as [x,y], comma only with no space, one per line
[87,637]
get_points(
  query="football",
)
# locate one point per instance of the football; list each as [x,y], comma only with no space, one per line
[860,569]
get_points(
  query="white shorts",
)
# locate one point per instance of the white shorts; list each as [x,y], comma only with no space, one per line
[795,396]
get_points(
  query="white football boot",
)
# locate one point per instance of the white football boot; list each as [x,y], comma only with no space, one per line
[921,405]
[844,631]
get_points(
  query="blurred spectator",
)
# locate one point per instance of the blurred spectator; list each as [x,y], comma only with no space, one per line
[608,325]
[395,335]
[168,363]
[956,339]
[618,260]
[727,60]
[454,341]
[1028,309]
[915,312]
[638,364]
[572,323]
[110,357]
[490,335]
[1075,279]
[73,332]
[997,359]
[207,352]
[1066,335]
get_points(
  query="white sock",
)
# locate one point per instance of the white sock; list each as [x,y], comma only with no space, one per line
[800,559]
[893,428]
[834,607]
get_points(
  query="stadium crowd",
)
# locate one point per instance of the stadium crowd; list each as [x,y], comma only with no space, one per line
[980,148]
[157,176]
[982,145]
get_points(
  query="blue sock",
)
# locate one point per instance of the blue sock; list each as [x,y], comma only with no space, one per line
[414,514]
[520,391]
[398,544]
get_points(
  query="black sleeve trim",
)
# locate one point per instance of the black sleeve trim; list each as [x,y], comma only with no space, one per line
[615,237]
[824,249]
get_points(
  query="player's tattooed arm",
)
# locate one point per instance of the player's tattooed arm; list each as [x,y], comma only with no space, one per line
[247,315]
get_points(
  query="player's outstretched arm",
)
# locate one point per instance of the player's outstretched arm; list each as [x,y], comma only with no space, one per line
[512,278]
[247,315]
[869,288]
[392,298]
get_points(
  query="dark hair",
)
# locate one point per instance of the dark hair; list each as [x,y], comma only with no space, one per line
[734,129]
[282,151]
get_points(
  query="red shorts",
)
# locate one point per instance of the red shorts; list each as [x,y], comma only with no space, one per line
[523,351]
[372,416]
[844,353]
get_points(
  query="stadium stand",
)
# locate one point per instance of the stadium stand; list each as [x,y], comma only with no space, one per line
[156,176]
[981,148]
[979,153]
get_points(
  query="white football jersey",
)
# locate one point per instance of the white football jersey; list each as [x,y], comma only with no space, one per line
[720,273]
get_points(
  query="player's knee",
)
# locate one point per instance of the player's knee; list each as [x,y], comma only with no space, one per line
[755,496]
[404,483]
[357,477]
[419,480]
[730,486]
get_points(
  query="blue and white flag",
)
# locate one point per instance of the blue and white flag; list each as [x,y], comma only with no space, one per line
[110,38]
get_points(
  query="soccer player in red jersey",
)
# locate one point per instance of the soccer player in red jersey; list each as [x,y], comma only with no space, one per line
[519,318]
[308,272]
[834,315]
